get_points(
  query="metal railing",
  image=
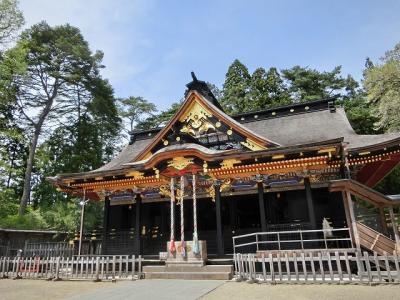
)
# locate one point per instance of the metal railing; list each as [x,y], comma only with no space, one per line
[116,267]
[336,238]
[318,267]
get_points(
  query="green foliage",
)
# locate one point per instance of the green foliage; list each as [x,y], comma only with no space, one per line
[390,185]
[8,203]
[360,115]
[305,84]
[382,85]
[11,20]
[33,219]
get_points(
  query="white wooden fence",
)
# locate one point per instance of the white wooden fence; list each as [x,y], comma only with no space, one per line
[95,268]
[318,267]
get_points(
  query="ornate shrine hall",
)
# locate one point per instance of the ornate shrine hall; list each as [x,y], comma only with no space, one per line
[217,176]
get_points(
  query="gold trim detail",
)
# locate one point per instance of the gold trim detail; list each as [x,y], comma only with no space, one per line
[229,163]
[253,145]
[135,174]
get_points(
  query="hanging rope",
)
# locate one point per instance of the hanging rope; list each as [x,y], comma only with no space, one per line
[172,248]
[196,248]
[183,248]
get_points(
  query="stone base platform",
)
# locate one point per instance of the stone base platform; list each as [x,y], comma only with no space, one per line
[185,271]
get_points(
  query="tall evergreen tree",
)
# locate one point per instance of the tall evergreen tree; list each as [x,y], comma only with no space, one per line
[236,98]
[58,63]
[267,89]
[305,84]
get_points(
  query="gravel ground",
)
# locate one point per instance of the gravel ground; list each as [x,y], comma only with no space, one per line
[243,290]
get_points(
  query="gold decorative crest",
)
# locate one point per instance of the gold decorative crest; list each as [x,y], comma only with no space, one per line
[180,162]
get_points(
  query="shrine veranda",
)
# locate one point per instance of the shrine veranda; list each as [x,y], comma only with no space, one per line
[289,169]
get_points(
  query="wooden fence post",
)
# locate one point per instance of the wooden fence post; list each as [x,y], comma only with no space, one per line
[57,275]
[97,278]
[113,268]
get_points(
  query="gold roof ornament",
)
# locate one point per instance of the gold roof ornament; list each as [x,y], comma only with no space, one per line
[165,190]
[205,167]
[180,162]
[196,121]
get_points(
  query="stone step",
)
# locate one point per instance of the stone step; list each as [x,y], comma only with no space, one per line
[188,268]
[189,275]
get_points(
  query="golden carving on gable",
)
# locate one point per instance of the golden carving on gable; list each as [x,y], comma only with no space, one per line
[253,145]
[196,121]
[180,162]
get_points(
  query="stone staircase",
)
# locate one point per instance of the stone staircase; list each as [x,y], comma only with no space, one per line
[189,271]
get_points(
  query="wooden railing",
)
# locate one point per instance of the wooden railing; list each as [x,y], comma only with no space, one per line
[95,268]
[318,267]
[374,240]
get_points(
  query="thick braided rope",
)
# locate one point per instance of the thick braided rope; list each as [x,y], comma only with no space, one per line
[182,217]
[172,239]
[196,248]
[194,206]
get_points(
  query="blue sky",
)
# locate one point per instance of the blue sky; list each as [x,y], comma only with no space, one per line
[151,46]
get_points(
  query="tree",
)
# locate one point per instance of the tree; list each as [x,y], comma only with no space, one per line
[382,86]
[267,89]
[236,98]
[215,90]
[305,84]
[58,62]
[11,20]
[158,120]
[134,109]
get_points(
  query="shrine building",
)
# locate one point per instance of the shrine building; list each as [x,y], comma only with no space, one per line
[209,176]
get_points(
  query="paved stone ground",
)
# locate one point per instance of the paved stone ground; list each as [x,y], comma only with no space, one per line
[243,290]
[26,289]
[153,289]
[188,289]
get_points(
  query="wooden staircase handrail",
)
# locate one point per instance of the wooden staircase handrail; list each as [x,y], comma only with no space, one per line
[362,191]
[375,241]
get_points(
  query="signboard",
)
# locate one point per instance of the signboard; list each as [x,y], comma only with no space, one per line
[122,198]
